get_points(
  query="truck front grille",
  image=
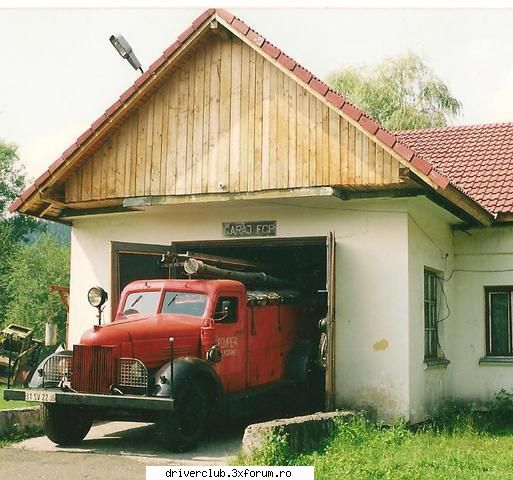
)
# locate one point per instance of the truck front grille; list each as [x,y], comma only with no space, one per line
[57,367]
[132,373]
[94,368]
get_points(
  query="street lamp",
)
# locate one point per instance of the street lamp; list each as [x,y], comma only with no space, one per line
[125,50]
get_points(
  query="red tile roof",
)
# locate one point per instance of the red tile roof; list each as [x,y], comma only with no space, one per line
[477,158]
[266,48]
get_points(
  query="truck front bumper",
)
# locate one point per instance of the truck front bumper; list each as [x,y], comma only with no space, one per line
[90,399]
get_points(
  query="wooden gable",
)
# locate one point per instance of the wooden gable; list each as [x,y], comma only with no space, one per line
[224,114]
[229,120]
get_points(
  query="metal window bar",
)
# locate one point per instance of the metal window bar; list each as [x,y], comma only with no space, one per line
[132,373]
[430,314]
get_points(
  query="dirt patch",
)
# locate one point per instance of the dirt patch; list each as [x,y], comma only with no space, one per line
[122,449]
[19,464]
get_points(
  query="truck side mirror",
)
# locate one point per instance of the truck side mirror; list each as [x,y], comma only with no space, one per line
[226,311]
[226,306]
[223,311]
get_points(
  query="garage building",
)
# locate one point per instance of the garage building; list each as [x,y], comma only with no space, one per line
[226,145]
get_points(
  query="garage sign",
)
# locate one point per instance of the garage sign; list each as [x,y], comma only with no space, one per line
[264,228]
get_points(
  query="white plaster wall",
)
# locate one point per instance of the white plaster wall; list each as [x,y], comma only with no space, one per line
[481,252]
[430,244]
[473,261]
[372,311]
[372,364]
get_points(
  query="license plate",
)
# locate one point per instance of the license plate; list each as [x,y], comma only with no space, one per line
[48,397]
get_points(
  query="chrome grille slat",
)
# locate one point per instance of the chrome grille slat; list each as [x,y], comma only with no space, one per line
[94,368]
[132,373]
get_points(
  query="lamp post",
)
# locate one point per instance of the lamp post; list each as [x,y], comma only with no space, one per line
[125,50]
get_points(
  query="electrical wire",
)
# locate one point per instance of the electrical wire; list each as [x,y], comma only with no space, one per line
[446,302]
[314,207]
[504,270]
[440,249]
[440,280]
[443,279]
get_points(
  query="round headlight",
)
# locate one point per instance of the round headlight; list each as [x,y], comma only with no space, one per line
[97,296]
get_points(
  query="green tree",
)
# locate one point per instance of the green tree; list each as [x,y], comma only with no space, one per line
[12,183]
[401,93]
[13,228]
[33,269]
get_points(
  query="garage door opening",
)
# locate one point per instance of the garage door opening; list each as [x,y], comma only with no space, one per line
[307,263]
[301,261]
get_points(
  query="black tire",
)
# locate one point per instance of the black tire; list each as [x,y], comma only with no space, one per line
[182,429]
[65,424]
[311,391]
[316,388]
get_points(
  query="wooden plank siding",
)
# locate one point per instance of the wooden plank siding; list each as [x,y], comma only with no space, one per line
[227,120]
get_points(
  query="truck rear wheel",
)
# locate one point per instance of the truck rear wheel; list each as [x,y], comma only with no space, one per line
[182,429]
[65,424]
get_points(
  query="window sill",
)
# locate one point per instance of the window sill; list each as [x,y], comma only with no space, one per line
[436,363]
[496,361]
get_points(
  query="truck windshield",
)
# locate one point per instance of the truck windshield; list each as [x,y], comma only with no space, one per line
[184,303]
[145,303]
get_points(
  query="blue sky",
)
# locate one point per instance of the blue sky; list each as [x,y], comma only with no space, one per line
[59,71]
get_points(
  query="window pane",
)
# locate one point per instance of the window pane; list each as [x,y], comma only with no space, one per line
[430,314]
[433,313]
[185,303]
[433,344]
[434,296]
[145,303]
[499,323]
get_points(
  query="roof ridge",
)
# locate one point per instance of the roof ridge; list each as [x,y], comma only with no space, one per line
[471,126]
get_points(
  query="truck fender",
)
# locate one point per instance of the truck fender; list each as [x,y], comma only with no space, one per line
[36,380]
[185,370]
[300,361]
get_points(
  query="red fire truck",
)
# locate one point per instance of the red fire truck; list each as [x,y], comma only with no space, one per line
[181,353]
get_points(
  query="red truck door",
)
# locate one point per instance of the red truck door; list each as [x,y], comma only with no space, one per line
[230,323]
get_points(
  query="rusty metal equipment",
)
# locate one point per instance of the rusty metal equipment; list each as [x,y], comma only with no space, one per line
[226,262]
[175,262]
[18,354]
[64,294]
[194,266]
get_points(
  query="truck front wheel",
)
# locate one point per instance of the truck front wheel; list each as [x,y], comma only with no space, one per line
[65,424]
[182,429]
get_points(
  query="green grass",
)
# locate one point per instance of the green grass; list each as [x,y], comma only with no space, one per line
[9,438]
[13,437]
[458,446]
[8,405]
